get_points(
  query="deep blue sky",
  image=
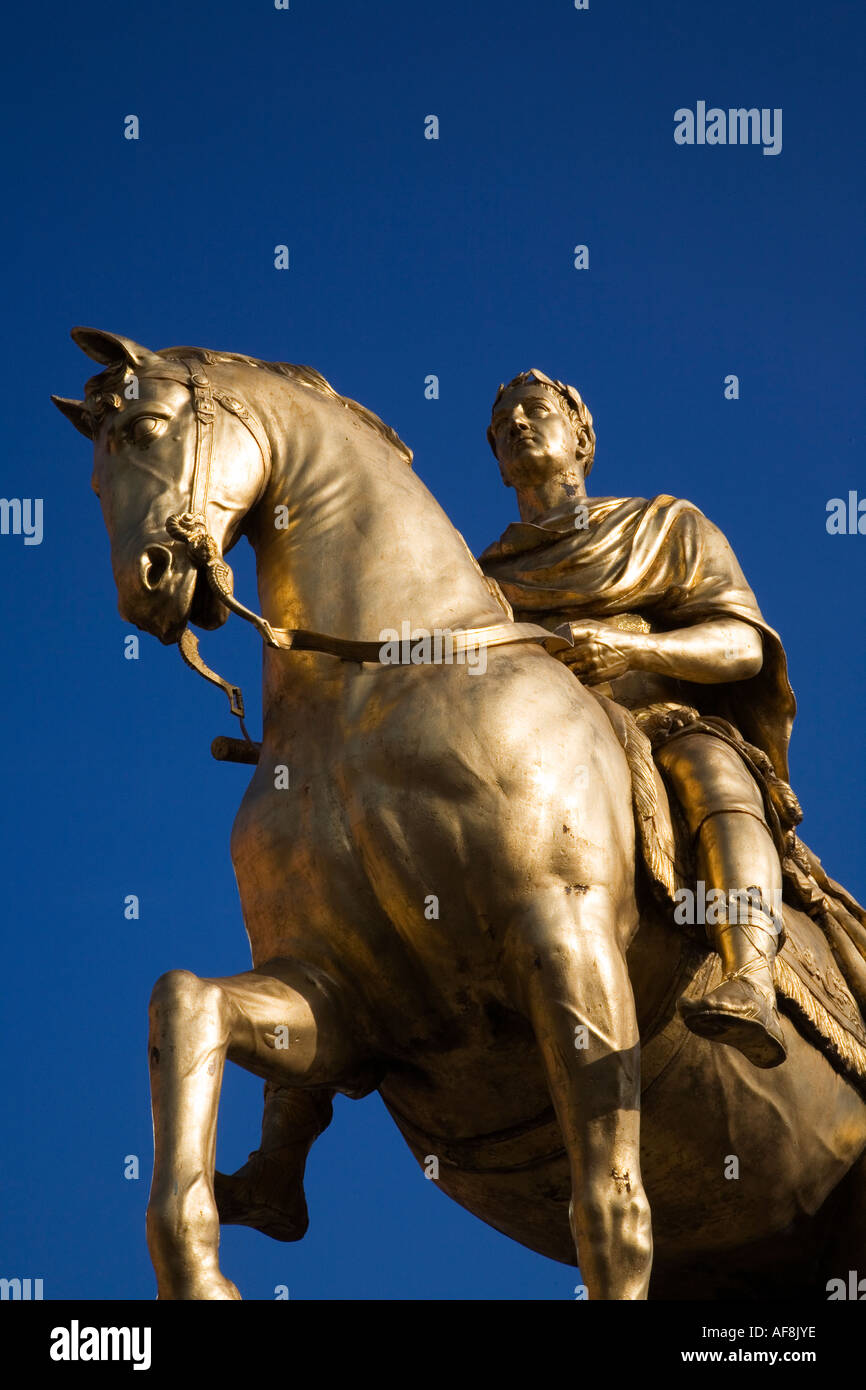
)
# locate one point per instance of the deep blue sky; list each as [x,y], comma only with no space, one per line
[408,257]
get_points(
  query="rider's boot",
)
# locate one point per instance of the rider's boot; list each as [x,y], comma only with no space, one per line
[741,1011]
[268,1192]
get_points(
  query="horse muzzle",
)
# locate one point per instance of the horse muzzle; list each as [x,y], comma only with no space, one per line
[161,591]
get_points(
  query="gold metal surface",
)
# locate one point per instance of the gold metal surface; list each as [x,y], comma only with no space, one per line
[444,902]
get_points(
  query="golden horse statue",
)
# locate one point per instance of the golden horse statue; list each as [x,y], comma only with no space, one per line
[438,906]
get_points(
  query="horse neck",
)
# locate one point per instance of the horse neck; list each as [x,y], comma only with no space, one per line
[348,540]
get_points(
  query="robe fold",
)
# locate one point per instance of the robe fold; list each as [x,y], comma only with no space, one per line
[662,559]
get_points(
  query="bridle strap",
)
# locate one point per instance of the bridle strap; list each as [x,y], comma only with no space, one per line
[457,642]
[188,645]
[205,409]
[254,425]
[183,371]
[191,526]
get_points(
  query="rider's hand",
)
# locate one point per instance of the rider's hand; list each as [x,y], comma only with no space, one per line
[600,653]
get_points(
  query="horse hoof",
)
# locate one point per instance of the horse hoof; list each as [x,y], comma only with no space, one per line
[266,1194]
[213,1289]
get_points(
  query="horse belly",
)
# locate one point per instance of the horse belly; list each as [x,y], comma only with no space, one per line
[482,1127]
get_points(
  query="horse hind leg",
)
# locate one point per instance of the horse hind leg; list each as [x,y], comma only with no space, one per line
[566,969]
[276,1021]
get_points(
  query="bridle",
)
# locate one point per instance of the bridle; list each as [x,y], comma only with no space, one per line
[190,529]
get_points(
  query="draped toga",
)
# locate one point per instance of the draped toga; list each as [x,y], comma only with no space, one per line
[663,560]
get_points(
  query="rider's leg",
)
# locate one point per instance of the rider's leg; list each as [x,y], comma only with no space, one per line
[735,853]
[279,1022]
[566,971]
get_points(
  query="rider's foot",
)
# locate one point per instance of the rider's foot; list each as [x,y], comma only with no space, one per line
[738,1012]
[267,1193]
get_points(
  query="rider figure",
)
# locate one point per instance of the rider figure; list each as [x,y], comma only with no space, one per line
[664,623]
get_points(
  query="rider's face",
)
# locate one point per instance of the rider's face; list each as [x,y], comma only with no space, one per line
[534,440]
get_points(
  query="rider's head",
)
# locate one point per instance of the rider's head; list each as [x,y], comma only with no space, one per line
[540,429]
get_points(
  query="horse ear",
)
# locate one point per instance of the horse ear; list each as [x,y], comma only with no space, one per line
[111,349]
[77,412]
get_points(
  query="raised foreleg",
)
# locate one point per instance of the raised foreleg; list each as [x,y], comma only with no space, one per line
[267,1193]
[280,1022]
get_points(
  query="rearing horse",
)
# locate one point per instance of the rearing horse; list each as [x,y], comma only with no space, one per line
[413,782]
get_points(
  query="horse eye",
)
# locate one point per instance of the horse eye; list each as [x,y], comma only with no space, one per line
[145,427]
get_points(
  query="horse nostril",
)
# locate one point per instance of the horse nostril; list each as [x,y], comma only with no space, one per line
[155,565]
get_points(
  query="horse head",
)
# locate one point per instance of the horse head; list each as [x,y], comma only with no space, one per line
[165,453]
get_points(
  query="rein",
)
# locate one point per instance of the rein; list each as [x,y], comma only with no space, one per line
[190,529]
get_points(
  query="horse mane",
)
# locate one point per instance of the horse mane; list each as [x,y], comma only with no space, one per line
[307,376]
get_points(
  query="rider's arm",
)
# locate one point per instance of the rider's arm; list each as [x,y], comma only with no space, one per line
[710,653]
[723,649]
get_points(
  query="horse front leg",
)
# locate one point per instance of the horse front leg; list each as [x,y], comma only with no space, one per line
[267,1193]
[567,971]
[276,1021]
[190,1029]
